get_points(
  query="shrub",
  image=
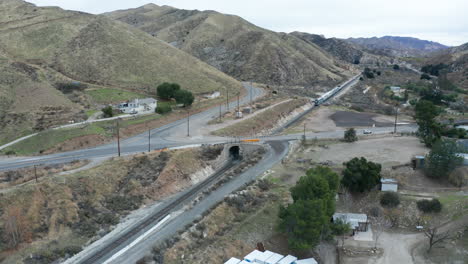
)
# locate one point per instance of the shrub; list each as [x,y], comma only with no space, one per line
[361,175]
[108,111]
[390,199]
[459,177]
[10,152]
[396,67]
[163,109]
[425,76]
[430,206]
[184,97]
[350,135]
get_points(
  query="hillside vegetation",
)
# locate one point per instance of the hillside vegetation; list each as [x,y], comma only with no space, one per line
[345,50]
[237,47]
[41,47]
[399,46]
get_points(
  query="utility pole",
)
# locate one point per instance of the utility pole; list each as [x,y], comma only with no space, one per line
[238,103]
[304,130]
[188,122]
[251,94]
[220,105]
[118,136]
[396,118]
[35,173]
[227,99]
[149,139]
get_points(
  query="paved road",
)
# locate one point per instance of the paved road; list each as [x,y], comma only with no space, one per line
[138,143]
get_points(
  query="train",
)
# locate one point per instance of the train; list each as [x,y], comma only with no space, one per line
[332,92]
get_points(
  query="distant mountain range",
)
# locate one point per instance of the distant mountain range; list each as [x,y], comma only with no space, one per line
[398,46]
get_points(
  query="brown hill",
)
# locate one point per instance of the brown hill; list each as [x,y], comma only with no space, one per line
[237,47]
[398,46]
[41,47]
[344,50]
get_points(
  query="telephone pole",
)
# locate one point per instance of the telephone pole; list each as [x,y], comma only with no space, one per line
[118,136]
[35,173]
[238,103]
[220,105]
[149,139]
[227,99]
[188,123]
[396,118]
[251,94]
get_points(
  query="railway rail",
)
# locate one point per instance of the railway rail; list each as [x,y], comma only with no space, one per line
[158,216]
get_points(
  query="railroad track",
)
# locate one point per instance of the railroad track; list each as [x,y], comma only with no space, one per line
[158,216]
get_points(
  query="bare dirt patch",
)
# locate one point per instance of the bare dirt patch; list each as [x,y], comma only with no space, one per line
[388,151]
[356,119]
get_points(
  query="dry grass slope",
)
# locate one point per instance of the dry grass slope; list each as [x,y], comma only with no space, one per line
[236,46]
[43,46]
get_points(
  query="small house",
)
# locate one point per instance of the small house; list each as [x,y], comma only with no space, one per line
[357,222]
[388,185]
[418,162]
[136,106]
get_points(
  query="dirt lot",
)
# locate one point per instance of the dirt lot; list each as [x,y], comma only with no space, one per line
[329,118]
[388,151]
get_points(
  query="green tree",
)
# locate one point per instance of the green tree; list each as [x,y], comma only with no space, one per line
[396,67]
[108,111]
[442,159]
[429,129]
[319,183]
[303,222]
[341,229]
[390,199]
[350,135]
[167,90]
[361,175]
[184,97]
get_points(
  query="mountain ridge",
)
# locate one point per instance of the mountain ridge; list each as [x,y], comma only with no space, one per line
[236,46]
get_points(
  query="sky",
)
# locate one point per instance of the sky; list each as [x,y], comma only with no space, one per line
[441,21]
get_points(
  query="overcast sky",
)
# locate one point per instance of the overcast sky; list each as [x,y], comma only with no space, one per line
[442,21]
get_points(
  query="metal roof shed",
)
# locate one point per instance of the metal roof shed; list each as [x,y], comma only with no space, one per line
[274,258]
[233,261]
[389,185]
[287,260]
[266,255]
[307,261]
[253,256]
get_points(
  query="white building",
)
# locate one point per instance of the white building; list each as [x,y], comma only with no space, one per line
[358,222]
[147,105]
[269,257]
[389,185]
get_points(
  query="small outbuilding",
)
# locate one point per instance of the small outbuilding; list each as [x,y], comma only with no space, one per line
[388,185]
[358,222]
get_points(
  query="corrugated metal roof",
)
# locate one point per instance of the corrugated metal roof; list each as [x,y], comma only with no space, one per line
[352,219]
[287,260]
[233,261]
[389,187]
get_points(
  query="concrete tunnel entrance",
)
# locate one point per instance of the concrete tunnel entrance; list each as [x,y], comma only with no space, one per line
[234,152]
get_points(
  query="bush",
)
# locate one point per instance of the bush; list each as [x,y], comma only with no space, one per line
[425,76]
[396,67]
[350,135]
[10,152]
[430,206]
[167,90]
[184,97]
[390,199]
[459,177]
[108,111]
[361,175]
[163,109]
